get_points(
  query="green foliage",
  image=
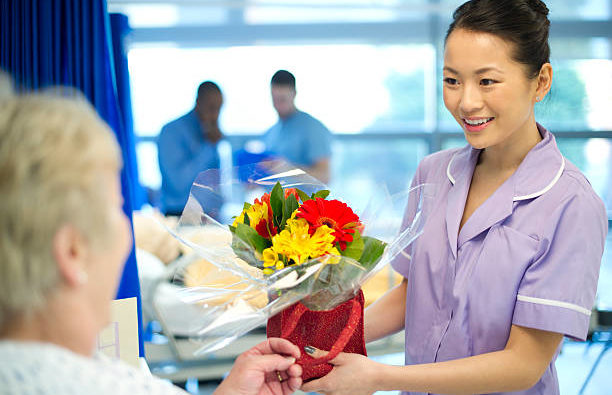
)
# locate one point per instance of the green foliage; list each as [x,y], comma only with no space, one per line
[355,248]
[372,252]
[303,196]
[251,237]
[290,205]
[247,243]
[323,194]
[277,201]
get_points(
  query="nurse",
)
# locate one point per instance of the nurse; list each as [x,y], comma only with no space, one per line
[509,260]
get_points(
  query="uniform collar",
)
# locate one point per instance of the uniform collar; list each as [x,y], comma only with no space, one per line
[538,173]
[540,170]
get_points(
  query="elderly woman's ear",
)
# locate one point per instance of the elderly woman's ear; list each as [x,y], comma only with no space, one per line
[70,251]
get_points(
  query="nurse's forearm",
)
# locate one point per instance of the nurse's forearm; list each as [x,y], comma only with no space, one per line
[486,373]
[518,367]
[386,316]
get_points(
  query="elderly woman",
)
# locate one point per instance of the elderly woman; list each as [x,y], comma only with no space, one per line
[63,241]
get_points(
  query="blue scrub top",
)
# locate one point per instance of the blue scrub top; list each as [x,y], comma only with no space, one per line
[529,256]
[183,152]
[300,139]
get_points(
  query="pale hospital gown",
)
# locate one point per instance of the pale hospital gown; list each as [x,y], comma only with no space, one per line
[42,368]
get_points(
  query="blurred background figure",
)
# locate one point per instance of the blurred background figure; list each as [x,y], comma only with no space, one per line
[188,146]
[297,136]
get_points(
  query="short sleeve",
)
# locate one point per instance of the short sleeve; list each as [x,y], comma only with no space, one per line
[558,289]
[269,137]
[319,142]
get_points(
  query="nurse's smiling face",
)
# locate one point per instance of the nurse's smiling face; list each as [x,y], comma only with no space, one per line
[486,91]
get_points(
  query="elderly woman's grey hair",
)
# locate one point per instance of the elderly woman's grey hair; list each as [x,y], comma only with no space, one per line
[52,153]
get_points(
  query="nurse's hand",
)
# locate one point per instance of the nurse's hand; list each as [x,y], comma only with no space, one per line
[266,369]
[353,374]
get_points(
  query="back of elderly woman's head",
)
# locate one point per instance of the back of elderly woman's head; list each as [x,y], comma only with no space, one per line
[52,154]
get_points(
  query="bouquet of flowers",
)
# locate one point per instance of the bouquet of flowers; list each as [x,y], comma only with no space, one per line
[289,228]
[293,256]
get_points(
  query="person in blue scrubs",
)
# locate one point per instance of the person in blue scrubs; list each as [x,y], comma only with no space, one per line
[297,137]
[188,146]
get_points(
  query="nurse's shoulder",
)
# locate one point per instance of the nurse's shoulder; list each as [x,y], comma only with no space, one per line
[575,187]
[434,167]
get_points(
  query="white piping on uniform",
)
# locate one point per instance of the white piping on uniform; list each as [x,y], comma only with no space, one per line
[541,192]
[555,303]
[450,177]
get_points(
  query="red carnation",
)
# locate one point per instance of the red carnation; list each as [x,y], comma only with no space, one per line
[333,213]
[266,228]
[292,191]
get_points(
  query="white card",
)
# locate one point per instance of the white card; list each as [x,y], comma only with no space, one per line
[119,340]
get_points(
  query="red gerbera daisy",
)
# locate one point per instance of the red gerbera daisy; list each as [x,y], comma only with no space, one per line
[333,213]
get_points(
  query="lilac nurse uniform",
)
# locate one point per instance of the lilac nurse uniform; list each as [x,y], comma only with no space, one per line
[529,256]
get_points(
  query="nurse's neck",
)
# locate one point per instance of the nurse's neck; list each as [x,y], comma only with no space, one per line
[509,154]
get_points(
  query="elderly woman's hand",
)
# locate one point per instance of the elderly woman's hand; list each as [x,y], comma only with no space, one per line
[267,369]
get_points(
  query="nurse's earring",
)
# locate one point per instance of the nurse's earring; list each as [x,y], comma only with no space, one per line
[537,98]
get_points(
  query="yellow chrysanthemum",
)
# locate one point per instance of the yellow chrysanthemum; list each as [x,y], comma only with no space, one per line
[270,257]
[256,213]
[297,245]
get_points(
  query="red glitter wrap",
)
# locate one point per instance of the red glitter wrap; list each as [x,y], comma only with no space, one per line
[336,330]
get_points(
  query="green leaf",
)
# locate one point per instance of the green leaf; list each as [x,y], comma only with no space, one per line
[354,249]
[372,251]
[245,252]
[252,238]
[323,193]
[232,228]
[303,196]
[246,206]
[290,206]
[246,220]
[277,201]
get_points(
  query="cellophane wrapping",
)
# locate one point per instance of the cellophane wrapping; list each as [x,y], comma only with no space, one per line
[225,289]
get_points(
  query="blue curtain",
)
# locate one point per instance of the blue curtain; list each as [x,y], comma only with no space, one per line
[69,42]
[120,28]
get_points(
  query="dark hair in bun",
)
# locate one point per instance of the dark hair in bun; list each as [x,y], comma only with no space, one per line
[523,22]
